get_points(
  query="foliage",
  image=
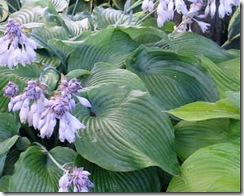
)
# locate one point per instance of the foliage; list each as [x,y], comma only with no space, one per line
[165,105]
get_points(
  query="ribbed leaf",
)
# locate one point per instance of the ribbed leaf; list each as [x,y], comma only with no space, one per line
[4,183]
[35,171]
[109,45]
[4,148]
[234,97]
[144,35]
[191,44]
[191,136]
[19,76]
[104,73]
[209,169]
[224,80]
[29,12]
[76,27]
[125,130]
[104,17]
[200,110]
[60,5]
[50,77]
[172,79]
[3,10]
[144,180]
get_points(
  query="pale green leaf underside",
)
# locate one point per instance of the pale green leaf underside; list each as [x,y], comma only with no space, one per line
[191,136]
[205,110]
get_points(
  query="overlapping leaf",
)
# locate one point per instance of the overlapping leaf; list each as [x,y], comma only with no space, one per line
[109,45]
[125,130]
[210,169]
[172,79]
[144,180]
[35,171]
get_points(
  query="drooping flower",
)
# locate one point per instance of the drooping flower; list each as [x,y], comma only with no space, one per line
[16,47]
[147,5]
[69,89]
[77,179]
[59,108]
[33,95]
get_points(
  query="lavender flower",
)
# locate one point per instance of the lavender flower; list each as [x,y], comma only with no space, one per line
[59,108]
[71,88]
[11,90]
[16,48]
[77,178]
[33,94]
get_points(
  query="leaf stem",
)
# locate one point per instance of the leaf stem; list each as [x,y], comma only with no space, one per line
[75,6]
[51,157]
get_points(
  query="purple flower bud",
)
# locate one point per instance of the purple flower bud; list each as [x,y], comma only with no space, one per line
[11,90]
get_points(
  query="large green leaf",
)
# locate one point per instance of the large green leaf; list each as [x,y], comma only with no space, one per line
[225,80]
[144,35]
[172,79]
[35,171]
[104,73]
[191,44]
[191,136]
[104,17]
[210,169]
[200,110]
[144,180]
[125,130]
[4,183]
[4,148]
[19,75]
[109,45]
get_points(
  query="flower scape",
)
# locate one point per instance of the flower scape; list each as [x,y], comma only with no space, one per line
[120,96]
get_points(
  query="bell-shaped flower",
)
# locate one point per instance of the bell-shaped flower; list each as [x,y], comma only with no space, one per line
[58,108]
[33,95]
[77,179]
[16,47]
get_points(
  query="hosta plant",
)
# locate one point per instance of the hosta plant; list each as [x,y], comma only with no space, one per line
[98,97]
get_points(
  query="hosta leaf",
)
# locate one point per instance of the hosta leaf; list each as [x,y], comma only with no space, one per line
[19,75]
[191,136]
[50,77]
[144,180]
[125,130]
[4,183]
[60,5]
[144,35]
[76,27]
[234,97]
[200,110]
[104,17]
[172,79]
[232,67]
[104,73]
[222,78]
[29,12]
[35,171]
[76,73]
[191,44]
[109,45]
[9,126]
[4,148]
[3,10]
[209,169]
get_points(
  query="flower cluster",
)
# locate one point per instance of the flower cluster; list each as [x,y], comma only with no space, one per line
[166,9]
[77,179]
[16,47]
[42,113]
